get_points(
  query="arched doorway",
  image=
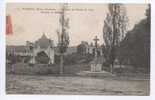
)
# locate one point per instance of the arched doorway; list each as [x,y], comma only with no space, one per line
[42,58]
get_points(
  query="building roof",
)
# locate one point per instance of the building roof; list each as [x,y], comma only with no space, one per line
[44,42]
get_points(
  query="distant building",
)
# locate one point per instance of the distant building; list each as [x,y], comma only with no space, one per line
[43,44]
[85,48]
[82,48]
[18,50]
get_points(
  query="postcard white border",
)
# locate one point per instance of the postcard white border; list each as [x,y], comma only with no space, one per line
[3,95]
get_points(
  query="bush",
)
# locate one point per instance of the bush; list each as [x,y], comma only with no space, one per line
[76,58]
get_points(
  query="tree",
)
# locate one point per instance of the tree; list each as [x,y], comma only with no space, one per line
[135,47]
[63,37]
[115,27]
[148,14]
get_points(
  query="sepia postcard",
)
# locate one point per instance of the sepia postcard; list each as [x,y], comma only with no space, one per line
[78,49]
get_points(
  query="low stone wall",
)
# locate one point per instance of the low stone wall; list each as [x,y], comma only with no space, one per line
[23,68]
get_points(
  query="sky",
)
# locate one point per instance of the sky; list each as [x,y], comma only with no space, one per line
[30,21]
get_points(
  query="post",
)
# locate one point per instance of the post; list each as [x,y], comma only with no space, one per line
[61,64]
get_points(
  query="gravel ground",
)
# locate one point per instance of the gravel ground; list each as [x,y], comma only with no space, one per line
[67,85]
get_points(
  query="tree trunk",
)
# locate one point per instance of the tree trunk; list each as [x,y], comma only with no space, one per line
[112,59]
[61,64]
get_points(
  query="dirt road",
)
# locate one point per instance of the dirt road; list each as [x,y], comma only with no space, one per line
[29,84]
